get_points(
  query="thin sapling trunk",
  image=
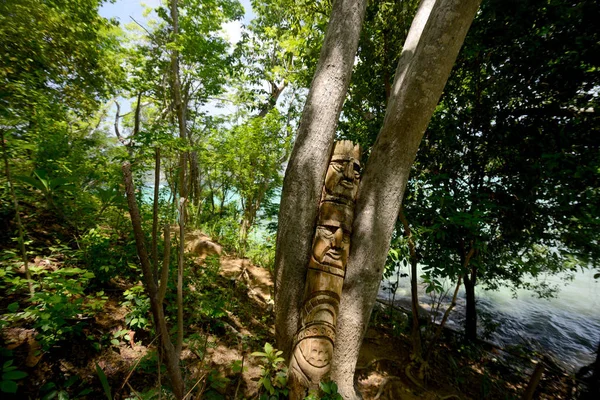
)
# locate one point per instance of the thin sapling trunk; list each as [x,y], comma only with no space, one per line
[17,215]
[180,265]
[416,331]
[169,351]
[155,214]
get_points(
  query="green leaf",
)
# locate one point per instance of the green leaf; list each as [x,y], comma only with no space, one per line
[84,392]
[50,395]
[268,348]
[13,375]
[48,386]
[71,381]
[8,387]
[104,382]
[13,307]
[267,384]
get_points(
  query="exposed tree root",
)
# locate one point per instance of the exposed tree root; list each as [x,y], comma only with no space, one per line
[414,380]
[383,384]
[450,396]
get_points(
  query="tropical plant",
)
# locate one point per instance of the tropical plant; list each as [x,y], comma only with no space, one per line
[273,381]
[10,375]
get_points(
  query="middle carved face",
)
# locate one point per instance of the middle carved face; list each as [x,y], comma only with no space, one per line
[342,177]
[331,245]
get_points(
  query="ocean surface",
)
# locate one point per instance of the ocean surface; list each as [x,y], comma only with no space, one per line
[566,327]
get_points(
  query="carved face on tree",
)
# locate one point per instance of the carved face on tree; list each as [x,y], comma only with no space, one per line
[343,173]
[342,177]
[331,245]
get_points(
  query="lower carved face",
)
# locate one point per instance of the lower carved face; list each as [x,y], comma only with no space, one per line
[317,352]
[342,178]
[331,245]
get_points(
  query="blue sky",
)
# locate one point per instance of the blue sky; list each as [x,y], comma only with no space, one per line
[122,10]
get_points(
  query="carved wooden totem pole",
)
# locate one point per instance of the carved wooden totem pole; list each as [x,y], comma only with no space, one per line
[313,346]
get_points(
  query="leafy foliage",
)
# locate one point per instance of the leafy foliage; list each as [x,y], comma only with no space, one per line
[273,376]
[10,374]
[138,303]
[492,173]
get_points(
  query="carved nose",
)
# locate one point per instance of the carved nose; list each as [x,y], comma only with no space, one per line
[349,171]
[337,238]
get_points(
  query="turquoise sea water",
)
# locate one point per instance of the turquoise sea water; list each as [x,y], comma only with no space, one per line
[566,327]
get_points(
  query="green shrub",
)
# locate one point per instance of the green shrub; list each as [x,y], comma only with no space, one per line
[138,304]
[273,381]
[9,375]
[262,253]
[106,256]
[59,305]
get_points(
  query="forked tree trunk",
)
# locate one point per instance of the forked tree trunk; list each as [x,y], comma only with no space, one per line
[432,45]
[306,169]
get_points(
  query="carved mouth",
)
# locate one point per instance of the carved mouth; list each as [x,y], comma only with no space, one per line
[334,255]
[347,184]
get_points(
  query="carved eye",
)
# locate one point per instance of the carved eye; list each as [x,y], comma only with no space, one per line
[356,172]
[327,231]
[346,239]
[338,167]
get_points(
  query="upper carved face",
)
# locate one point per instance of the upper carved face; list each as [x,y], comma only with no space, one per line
[331,245]
[342,177]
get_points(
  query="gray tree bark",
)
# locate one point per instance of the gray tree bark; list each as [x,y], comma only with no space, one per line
[430,50]
[305,172]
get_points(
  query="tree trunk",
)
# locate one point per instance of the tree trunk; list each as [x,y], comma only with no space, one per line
[471,317]
[155,214]
[180,109]
[171,355]
[438,332]
[534,381]
[594,386]
[306,169]
[195,179]
[432,45]
[414,296]
[276,91]
[17,215]
[440,327]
